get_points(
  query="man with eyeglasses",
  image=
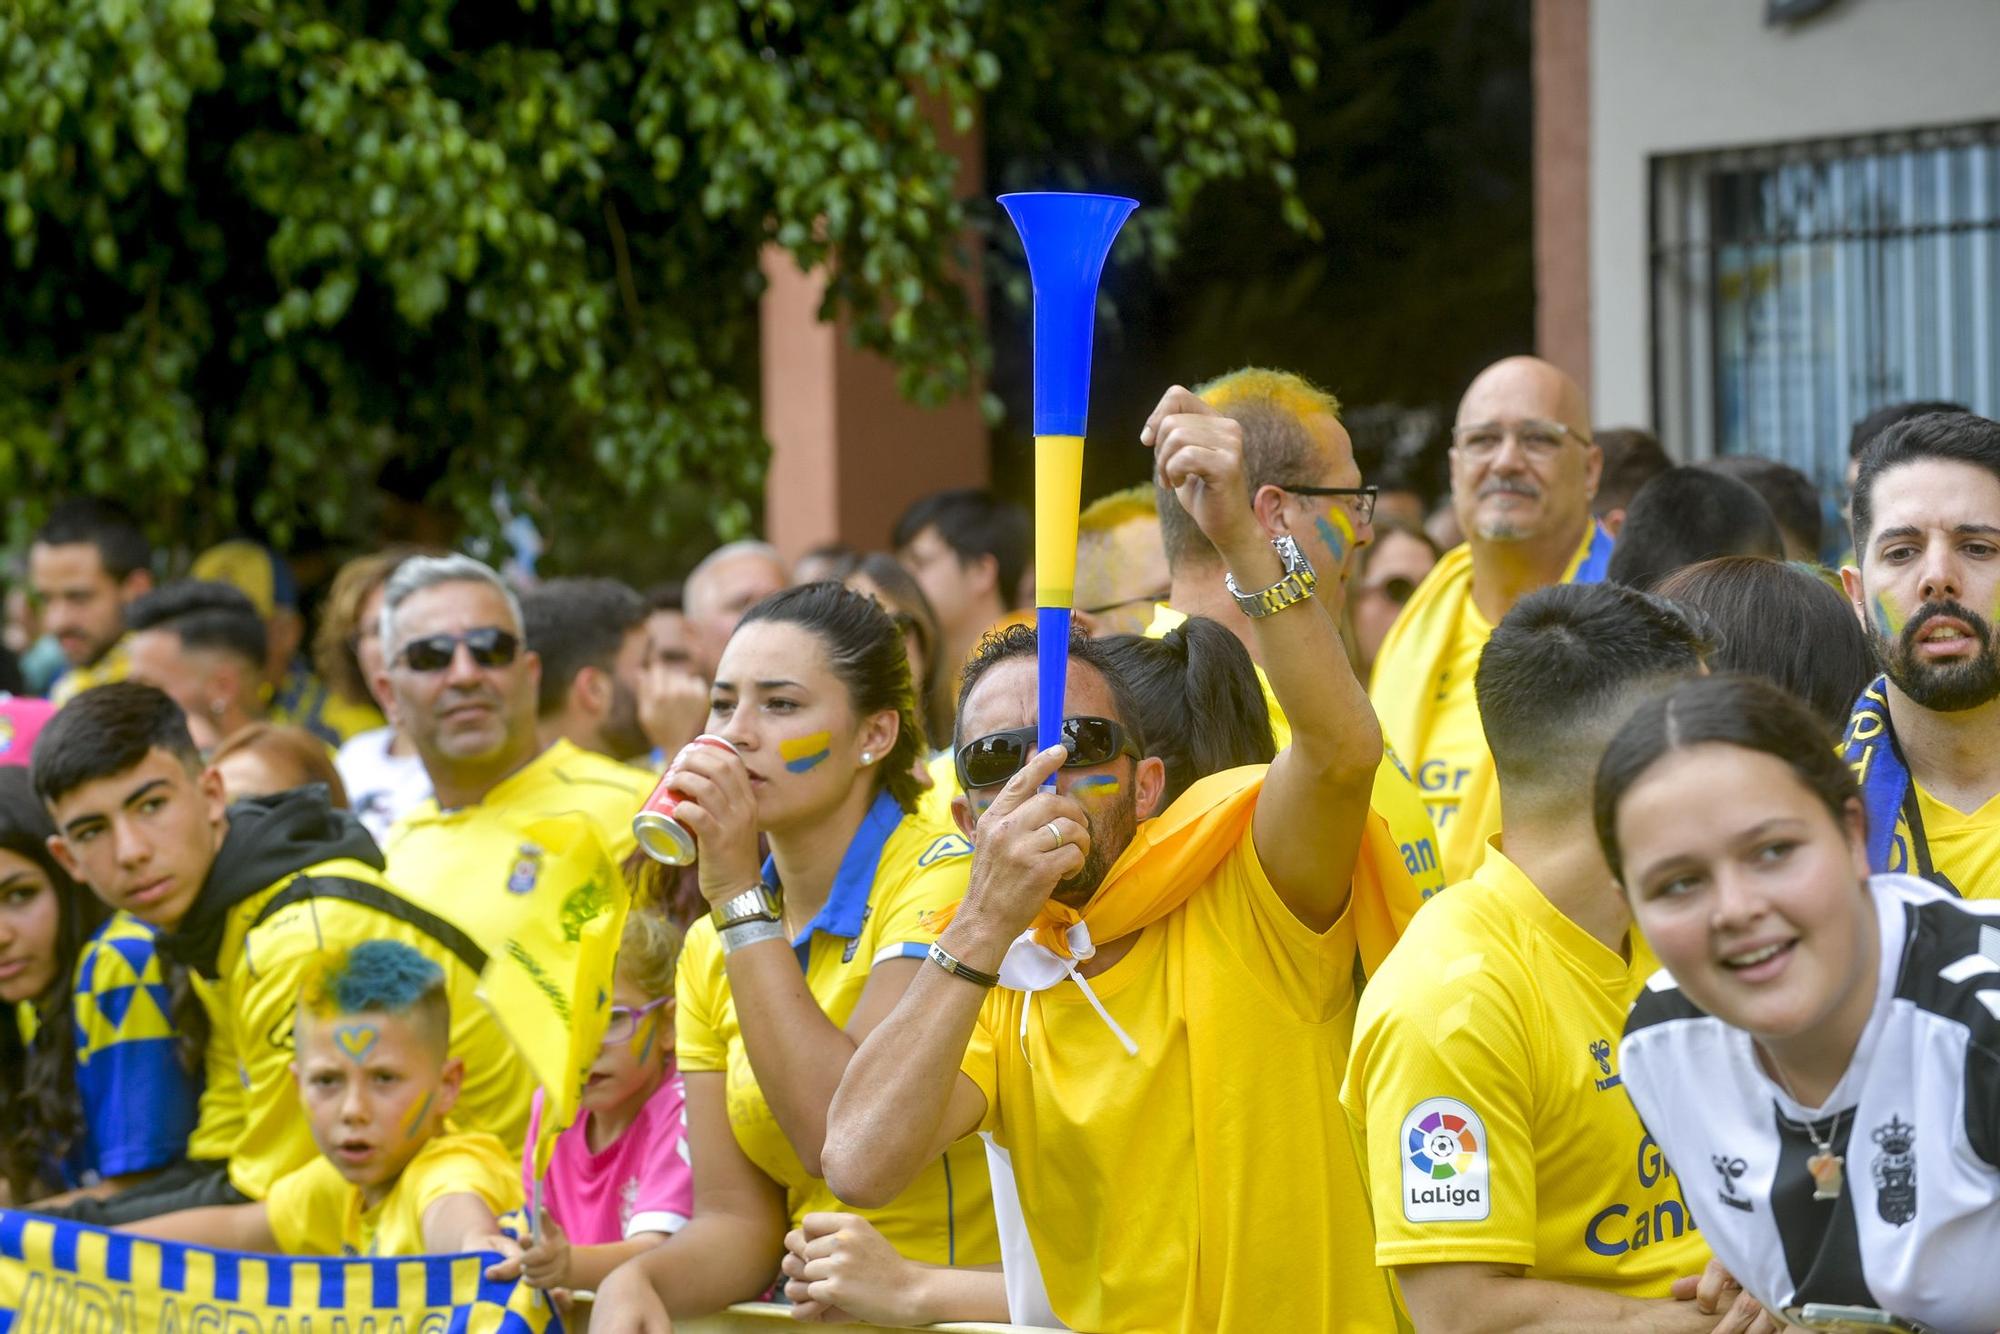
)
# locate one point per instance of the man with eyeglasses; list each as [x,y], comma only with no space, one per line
[1523,472]
[1303,483]
[464,685]
[1151,1014]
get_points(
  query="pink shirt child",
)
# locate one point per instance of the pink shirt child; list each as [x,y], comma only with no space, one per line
[641,1182]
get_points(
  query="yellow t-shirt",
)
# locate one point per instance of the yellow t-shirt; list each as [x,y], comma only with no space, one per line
[315,1211]
[1484,1091]
[430,846]
[896,870]
[250,1111]
[1394,797]
[1964,845]
[1454,770]
[1204,1183]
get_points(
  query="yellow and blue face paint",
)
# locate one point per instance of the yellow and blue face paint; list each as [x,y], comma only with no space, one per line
[1097,787]
[413,1124]
[1888,623]
[357,1040]
[1336,530]
[805,752]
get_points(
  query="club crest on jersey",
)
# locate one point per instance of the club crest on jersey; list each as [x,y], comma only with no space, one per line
[526,870]
[1896,1171]
[1446,1176]
[1600,1051]
[1731,1170]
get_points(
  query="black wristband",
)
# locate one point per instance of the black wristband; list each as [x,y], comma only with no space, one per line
[957,968]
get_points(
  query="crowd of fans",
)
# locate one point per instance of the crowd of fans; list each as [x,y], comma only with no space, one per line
[1564,908]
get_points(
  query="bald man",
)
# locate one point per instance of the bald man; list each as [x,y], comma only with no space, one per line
[729,581]
[1523,473]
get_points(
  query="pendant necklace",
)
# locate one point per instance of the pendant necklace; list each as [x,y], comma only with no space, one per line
[1829,1169]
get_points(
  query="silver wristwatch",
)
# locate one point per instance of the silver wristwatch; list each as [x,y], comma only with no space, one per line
[759,903]
[1295,586]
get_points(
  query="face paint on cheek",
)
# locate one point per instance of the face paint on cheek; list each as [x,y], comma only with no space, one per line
[1337,531]
[652,1031]
[1886,621]
[413,1124]
[357,1040]
[1098,787]
[806,752]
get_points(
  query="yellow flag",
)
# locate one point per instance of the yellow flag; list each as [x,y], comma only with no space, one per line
[548,977]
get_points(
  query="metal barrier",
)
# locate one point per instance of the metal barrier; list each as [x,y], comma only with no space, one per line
[769,1317]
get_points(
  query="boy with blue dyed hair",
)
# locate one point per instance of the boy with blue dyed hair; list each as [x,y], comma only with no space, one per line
[377,1082]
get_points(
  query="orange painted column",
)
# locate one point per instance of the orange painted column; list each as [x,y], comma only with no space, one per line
[848,452]
[1561,65]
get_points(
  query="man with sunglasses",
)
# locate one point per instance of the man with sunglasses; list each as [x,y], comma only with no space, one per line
[1523,472]
[465,684]
[1150,1015]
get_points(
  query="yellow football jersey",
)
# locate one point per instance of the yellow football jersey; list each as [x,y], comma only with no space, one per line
[1964,845]
[898,868]
[1204,1182]
[429,847]
[315,1211]
[1484,1090]
[250,1111]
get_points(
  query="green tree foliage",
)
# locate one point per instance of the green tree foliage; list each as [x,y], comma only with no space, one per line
[261,251]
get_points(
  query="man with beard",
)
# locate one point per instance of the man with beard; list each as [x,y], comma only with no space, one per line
[1925,738]
[1523,472]
[464,686]
[1150,1015]
[591,637]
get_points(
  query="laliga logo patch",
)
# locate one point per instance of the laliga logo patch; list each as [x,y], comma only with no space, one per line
[1445,1166]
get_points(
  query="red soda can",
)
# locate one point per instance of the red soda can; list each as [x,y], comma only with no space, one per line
[664,838]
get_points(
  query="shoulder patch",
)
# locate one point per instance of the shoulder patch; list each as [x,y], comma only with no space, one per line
[1446,1168]
[950,845]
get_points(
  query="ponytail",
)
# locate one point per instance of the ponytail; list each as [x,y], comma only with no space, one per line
[1200,703]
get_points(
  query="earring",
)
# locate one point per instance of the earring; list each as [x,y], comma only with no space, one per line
[868,757]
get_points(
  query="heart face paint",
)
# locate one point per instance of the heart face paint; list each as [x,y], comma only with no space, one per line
[357,1040]
[806,752]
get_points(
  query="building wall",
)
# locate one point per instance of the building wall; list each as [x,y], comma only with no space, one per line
[1678,76]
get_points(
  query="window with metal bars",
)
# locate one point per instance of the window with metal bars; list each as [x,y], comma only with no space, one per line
[1798,287]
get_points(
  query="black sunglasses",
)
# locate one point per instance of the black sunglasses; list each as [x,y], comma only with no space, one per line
[990,760]
[489,646]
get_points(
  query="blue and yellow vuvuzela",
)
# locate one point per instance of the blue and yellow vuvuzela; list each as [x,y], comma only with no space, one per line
[1066,237]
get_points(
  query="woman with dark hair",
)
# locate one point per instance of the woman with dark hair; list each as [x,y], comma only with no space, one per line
[380,768]
[881,577]
[96,1095]
[1782,622]
[812,742]
[1199,701]
[1827,1043]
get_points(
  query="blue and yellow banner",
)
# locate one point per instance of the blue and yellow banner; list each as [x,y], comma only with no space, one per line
[59,1277]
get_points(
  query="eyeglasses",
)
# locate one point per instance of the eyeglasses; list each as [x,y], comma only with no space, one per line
[624,1021]
[1538,439]
[1360,500]
[992,760]
[489,646]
